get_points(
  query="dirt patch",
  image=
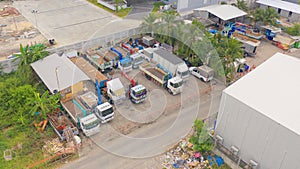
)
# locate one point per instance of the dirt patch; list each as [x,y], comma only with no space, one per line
[15,30]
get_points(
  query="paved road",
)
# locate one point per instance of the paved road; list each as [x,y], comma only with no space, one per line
[139,148]
[71,21]
[140,10]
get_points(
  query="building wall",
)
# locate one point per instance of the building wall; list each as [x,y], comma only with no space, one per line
[187,5]
[264,7]
[258,137]
[295,17]
[284,13]
[293,1]
[9,65]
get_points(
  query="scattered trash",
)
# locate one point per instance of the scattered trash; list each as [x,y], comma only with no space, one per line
[53,146]
[183,156]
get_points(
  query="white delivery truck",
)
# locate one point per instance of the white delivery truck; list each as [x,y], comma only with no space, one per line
[170,63]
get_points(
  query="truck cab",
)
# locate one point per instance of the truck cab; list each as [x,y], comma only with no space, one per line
[115,90]
[203,72]
[182,71]
[125,64]
[137,59]
[138,94]
[89,124]
[104,112]
[174,85]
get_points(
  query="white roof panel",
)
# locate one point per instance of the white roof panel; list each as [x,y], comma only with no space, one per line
[273,89]
[115,84]
[225,12]
[57,72]
[288,6]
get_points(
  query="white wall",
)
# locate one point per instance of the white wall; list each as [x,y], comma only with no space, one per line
[258,138]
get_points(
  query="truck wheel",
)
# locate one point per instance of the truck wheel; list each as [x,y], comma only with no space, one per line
[169,90]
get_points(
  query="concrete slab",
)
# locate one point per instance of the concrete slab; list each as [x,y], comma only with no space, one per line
[72,21]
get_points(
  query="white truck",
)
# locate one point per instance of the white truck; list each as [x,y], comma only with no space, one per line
[137,59]
[171,63]
[159,76]
[203,72]
[86,121]
[138,94]
[115,91]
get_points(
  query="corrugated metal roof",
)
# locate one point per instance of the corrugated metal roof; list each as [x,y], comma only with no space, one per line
[273,89]
[168,56]
[225,12]
[58,73]
[288,6]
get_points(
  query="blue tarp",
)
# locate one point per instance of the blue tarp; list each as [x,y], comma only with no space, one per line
[219,161]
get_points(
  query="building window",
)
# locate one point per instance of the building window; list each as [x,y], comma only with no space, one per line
[279,10]
[290,13]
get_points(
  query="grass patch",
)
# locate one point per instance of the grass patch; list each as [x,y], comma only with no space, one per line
[156,6]
[32,142]
[120,13]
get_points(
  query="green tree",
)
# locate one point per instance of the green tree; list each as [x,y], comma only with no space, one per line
[44,103]
[258,15]
[241,4]
[294,30]
[117,2]
[267,16]
[270,16]
[148,25]
[28,55]
[200,139]
[229,50]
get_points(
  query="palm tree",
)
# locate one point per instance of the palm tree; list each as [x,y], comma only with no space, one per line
[267,16]
[241,4]
[24,55]
[28,55]
[228,50]
[117,4]
[44,103]
[270,16]
[37,52]
[148,25]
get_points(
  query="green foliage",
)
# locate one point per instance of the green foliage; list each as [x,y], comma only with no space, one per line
[241,4]
[294,30]
[28,55]
[156,6]
[267,16]
[120,13]
[223,3]
[228,50]
[16,96]
[44,103]
[200,139]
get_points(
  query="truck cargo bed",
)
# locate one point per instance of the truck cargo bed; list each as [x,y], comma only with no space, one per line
[154,72]
[88,69]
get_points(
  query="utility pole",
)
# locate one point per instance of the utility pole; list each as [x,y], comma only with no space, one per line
[34,11]
[57,80]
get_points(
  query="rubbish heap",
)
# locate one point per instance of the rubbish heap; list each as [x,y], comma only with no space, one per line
[54,146]
[184,157]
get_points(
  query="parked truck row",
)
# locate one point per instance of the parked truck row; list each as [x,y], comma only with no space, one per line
[88,110]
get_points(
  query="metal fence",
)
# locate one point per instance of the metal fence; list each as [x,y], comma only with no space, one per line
[103,41]
[233,157]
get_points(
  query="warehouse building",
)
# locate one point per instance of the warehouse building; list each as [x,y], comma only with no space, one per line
[259,115]
[285,9]
[188,5]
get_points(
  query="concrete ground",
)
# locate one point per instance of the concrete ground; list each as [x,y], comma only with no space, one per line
[140,10]
[72,21]
[14,30]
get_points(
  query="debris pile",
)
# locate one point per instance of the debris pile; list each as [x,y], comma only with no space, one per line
[54,146]
[6,11]
[183,156]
